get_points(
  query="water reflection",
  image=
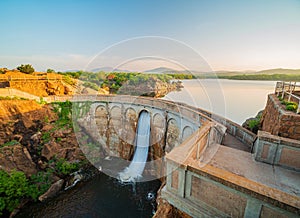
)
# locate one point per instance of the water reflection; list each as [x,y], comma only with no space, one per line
[235,99]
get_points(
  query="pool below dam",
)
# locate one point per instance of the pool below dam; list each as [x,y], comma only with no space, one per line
[102,196]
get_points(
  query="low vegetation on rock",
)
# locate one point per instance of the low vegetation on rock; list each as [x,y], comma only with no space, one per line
[289,105]
[253,124]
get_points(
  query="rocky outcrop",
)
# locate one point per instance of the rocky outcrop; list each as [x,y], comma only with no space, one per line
[166,210]
[41,88]
[17,157]
[152,88]
[23,145]
[20,119]
[63,144]
[253,123]
[39,84]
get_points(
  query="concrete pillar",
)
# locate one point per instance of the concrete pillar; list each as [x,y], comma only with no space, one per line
[253,209]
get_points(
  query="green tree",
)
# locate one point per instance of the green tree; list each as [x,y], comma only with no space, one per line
[26,68]
[50,71]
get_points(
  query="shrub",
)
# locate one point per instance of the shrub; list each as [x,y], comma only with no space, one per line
[67,79]
[39,184]
[291,106]
[10,143]
[42,101]
[64,167]
[64,112]
[15,186]
[50,71]
[91,85]
[254,123]
[46,136]
[27,68]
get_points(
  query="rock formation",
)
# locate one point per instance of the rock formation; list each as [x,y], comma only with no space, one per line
[152,88]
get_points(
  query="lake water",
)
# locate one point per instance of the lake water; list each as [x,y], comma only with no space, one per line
[236,100]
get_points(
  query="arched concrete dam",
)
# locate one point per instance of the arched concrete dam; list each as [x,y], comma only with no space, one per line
[204,178]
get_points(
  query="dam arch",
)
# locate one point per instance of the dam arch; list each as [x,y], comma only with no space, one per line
[187,131]
[171,124]
[172,135]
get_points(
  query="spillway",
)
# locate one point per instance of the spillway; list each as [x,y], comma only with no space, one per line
[142,140]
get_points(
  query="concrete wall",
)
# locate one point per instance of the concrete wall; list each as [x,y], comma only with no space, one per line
[197,114]
[200,192]
[278,121]
[277,150]
[200,196]
[112,122]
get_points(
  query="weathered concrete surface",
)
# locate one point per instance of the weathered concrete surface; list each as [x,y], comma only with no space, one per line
[232,142]
[277,150]
[230,183]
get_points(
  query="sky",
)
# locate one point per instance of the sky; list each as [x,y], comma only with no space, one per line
[227,35]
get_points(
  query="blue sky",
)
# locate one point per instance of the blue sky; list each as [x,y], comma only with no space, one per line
[229,35]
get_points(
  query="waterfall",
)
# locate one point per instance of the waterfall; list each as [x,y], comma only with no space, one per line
[142,141]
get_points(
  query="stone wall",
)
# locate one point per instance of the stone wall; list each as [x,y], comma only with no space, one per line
[278,121]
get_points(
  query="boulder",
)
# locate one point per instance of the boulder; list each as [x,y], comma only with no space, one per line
[53,190]
[52,149]
[166,210]
[17,157]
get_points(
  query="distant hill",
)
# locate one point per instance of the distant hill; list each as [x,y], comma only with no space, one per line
[108,69]
[280,71]
[95,70]
[160,70]
[166,70]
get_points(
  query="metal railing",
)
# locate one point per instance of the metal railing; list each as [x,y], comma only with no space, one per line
[289,89]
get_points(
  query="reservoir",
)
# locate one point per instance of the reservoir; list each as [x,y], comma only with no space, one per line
[236,100]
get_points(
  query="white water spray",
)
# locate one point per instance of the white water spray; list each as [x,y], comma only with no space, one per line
[142,141]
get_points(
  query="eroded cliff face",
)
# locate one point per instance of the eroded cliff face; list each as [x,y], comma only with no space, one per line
[29,137]
[20,119]
[45,85]
[41,88]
